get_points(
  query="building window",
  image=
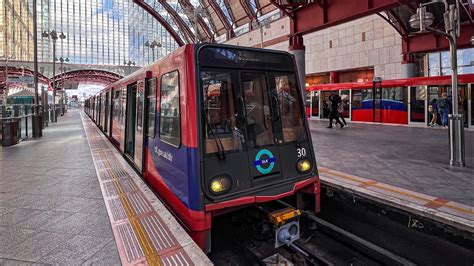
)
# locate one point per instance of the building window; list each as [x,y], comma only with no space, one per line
[170,128]
[439,63]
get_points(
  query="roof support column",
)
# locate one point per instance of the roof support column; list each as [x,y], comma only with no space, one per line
[297,48]
[408,61]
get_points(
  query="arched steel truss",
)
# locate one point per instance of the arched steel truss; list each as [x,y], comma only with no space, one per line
[92,76]
[18,72]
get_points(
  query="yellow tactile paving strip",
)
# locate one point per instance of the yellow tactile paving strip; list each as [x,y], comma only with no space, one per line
[141,233]
[439,209]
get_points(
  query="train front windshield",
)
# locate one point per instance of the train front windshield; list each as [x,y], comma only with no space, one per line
[252,117]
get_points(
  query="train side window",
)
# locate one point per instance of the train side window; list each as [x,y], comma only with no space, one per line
[170,128]
[151,106]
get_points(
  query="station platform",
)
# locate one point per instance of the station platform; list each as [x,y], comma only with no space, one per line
[70,198]
[405,167]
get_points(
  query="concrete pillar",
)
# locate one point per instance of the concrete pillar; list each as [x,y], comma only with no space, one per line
[298,50]
[333,77]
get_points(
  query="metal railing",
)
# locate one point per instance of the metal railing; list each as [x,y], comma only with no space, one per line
[16,123]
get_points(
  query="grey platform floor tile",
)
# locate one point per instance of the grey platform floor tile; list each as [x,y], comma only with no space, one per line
[12,237]
[75,251]
[16,217]
[47,202]
[85,205]
[7,196]
[37,246]
[85,224]
[8,262]
[44,220]
[108,255]
[4,210]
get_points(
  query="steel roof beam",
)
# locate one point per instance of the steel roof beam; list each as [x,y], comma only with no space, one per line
[429,42]
[207,31]
[222,18]
[178,20]
[161,20]
[319,15]
[248,10]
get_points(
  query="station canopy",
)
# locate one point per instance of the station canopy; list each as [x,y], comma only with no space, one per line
[217,20]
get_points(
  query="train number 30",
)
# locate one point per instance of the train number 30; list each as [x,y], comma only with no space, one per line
[301,152]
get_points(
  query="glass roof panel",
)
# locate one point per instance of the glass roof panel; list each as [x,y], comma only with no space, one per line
[225,11]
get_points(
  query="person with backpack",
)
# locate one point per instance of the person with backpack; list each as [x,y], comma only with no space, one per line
[443,109]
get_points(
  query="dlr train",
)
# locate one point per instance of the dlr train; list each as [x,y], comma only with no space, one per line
[213,128]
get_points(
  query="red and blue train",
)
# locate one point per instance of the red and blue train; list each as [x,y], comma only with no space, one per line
[212,128]
[399,101]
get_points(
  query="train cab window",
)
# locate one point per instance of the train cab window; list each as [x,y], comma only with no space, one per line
[170,128]
[151,106]
[222,130]
[257,107]
[289,107]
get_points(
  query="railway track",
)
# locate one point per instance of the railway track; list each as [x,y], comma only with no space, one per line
[246,240]
[343,234]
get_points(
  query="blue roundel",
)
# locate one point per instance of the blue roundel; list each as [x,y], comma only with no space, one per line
[264,161]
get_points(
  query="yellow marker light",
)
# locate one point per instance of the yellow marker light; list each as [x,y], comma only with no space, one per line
[303,165]
[220,184]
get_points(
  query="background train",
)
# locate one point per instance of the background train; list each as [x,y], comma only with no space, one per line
[213,128]
[401,101]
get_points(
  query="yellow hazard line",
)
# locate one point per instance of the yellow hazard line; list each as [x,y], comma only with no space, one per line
[143,239]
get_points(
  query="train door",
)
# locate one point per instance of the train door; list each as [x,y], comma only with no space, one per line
[130,120]
[325,104]
[315,104]
[377,104]
[139,132]
[225,131]
[106,112]
[417,110]
[345,97]
[98,110]
[93,107]
[150,119]
[102,111]
[263,127]
[471,104]
[463,100]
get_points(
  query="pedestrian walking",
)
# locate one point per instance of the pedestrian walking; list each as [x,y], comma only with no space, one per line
[334,114]
[434,112]
[340,110]
[443,109]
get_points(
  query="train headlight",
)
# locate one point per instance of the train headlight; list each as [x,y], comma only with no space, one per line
[303,165]
[220,184]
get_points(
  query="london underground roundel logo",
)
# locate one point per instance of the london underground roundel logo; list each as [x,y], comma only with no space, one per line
[264,161]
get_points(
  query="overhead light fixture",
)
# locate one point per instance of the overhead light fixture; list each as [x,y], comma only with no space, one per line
[421,19]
